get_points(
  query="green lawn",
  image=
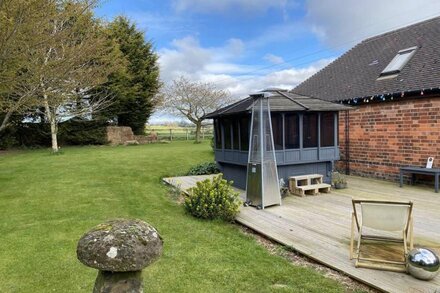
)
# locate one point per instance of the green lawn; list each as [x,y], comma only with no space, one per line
[47,202]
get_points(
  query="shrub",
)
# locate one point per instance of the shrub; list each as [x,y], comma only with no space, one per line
[284,188]
[338,178]
[82,132]
[7,139]
[71,132]
[213,199]
[32,134]
[206,168]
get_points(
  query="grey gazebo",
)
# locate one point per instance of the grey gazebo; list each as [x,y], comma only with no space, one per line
[304,133]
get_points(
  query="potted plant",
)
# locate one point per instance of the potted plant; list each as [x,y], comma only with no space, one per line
[339,180]
[284,189]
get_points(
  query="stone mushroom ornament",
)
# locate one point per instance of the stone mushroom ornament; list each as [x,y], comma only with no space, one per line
[120,249]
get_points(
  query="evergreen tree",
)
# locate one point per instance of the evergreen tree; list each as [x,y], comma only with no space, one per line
[135,89]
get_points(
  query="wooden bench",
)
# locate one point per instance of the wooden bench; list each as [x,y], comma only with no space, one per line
[308,185]
[423,171]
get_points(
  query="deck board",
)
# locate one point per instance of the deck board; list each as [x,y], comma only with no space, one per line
[319,227]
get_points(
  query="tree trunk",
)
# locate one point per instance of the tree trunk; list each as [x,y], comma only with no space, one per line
[53,133]
[5,121]
[53,124]
[198,130]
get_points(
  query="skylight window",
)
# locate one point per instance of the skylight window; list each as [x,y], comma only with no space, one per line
[399,61]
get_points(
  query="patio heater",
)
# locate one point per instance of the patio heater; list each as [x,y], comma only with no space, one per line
[262,184]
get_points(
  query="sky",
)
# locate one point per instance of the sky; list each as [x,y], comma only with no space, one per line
[245,46]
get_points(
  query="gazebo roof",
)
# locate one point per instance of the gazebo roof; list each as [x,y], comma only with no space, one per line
[280,101]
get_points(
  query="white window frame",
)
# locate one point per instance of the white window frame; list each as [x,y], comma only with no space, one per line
[399,61]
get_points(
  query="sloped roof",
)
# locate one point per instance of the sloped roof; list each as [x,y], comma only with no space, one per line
[279,101]
[355,74]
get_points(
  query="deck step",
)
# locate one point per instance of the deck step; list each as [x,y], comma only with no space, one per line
[308,185]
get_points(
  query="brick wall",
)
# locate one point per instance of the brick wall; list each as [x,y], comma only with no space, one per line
[386,136]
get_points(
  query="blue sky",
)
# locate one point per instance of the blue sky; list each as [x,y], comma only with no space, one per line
[248,45]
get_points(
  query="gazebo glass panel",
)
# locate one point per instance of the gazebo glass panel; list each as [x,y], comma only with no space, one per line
[277,128]
[227,133]
[310,130]
[291,122]
[235,135]
[244,133]
[327,129]
[218,134]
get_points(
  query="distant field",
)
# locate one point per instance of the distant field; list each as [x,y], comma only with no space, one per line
[178,132]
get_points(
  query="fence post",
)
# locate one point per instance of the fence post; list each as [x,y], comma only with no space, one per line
[203,134]
[171,134]
[187,134]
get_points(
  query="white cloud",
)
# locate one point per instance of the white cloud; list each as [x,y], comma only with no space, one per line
[216,6]
[217,65]
[187,57]
[230,68]
[274,59]
[342,23]
[162,24]
[235,46]
[288,78]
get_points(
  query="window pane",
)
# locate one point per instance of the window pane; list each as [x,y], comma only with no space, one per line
[277,130]
[244,133]
[227,133]
[327,129]
[235,134]
[310,130]
[218,134]
[399,61]
[292,131]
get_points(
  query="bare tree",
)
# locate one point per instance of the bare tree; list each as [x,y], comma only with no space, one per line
[193,100]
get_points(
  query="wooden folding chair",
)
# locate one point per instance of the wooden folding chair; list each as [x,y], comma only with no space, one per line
[381,218]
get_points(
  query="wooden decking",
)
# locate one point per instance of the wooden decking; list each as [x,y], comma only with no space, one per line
[319,227]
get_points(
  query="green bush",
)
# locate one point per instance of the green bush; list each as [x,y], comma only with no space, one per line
[206,168]
[71,132]
[7,139]
[213,199]
[82,132]
[33,135]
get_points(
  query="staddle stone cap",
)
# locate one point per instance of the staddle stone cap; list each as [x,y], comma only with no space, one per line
[120,246]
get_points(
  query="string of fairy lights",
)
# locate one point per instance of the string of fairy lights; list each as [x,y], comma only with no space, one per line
[389,96]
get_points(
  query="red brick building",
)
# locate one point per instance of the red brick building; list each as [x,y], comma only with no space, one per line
[393,83]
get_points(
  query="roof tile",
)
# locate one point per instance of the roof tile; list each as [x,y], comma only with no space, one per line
[355,74]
